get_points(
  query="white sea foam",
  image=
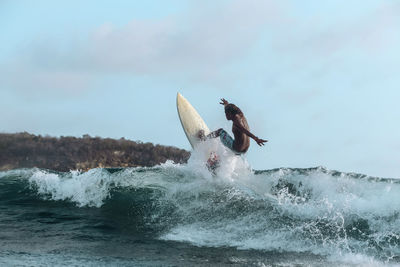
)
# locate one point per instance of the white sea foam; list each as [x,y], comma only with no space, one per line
[231,166]
[86,189]
[92,188]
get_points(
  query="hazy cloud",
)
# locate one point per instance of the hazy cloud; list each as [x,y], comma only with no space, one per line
[372,32]
[209,37]
[196,45]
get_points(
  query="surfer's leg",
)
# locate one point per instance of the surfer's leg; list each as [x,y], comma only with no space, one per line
[226,139]
[215,134]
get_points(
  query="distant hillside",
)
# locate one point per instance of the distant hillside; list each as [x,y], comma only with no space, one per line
[24,150]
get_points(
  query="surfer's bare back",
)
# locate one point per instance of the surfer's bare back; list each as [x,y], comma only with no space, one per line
[240,130]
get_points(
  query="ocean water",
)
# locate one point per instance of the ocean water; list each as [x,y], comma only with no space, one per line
[184,215]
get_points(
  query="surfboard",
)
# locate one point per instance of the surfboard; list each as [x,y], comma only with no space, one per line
[192,124]
[191,121]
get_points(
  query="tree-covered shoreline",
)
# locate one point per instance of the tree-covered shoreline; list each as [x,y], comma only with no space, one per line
[24,150]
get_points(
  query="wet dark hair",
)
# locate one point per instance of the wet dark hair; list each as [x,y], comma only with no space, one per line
[232,109]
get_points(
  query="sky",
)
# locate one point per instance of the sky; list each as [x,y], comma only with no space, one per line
[318,79]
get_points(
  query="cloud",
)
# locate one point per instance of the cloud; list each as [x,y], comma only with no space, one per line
[196,45]
[210,37]
[372,32]
[200,45]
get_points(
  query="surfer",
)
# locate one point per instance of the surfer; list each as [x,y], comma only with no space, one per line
[240,130]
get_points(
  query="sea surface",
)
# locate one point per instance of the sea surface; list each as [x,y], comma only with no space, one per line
[185,215]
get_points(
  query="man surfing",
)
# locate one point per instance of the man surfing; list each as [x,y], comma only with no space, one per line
[240,130]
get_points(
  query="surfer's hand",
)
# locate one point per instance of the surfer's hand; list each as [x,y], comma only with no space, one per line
[260,142]
[224,102]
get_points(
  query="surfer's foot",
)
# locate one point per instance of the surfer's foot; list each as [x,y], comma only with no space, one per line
[201,135]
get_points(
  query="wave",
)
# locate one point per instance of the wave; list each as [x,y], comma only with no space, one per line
[343,216]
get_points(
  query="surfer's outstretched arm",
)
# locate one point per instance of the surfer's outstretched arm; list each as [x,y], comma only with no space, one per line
[236,122]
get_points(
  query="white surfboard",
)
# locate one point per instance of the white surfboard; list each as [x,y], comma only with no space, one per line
[190,119]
